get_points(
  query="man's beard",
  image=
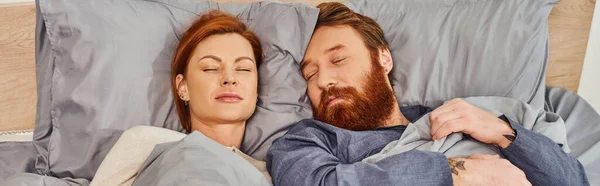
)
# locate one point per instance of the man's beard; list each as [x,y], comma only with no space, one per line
[366,111]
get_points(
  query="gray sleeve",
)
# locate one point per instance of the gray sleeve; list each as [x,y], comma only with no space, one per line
[542,160]
[309,155]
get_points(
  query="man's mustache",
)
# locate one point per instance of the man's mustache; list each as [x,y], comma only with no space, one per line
[346,92]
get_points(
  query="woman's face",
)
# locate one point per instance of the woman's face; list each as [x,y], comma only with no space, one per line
[221,81]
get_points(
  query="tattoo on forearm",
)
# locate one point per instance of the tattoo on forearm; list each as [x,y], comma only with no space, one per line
[510,137]
[456,165]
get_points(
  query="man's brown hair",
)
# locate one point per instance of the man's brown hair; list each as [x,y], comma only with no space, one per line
[338,14]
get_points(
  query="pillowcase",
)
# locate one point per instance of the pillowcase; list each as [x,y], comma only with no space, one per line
[104,67]
[122,163]
[462,48]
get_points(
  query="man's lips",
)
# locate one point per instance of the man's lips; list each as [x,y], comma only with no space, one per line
[332,100]
[229,97]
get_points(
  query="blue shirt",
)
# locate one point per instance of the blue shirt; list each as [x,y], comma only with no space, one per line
[315,153]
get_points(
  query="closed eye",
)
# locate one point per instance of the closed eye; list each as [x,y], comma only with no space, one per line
[244,70]
[209,70]
[311,75]
[339,60]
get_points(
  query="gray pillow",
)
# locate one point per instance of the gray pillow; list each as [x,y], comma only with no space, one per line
[462,48]
[104,67]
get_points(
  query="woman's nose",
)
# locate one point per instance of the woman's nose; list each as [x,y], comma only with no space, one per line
[229,79]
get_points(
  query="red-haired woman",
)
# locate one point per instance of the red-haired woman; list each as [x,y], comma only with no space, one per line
[214,81]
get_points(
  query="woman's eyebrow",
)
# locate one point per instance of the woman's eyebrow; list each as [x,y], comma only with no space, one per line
[211,57]
[220,60]
[244,58]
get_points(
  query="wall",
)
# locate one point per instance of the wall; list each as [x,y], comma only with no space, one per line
[15,1]
[589,85]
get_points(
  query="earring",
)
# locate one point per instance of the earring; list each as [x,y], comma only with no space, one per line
[185,102]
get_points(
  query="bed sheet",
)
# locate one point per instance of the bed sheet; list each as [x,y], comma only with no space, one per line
[582,123]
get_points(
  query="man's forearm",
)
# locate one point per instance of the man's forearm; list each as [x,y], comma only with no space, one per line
[456,165]
[542,160]
[408,168]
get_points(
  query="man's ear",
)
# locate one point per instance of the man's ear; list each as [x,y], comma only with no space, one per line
[182,90]
[385,59]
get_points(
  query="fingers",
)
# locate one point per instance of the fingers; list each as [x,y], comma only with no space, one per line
[448,128]
[448,118]
[484,156]
[444,113]
[451,105]
[438,121]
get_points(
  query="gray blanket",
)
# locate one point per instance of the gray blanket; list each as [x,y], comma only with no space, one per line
[417,135]
[583,128]
[197,160]
[582,124]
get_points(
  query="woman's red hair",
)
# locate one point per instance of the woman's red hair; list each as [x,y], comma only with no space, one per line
[212,23]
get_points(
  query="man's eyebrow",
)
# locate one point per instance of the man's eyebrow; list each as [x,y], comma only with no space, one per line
[336,47]
[211,57]
[305,62]
[244,58]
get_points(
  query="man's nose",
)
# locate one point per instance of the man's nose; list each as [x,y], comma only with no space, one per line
[326,80]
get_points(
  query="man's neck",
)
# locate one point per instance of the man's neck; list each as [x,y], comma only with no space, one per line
[396,118]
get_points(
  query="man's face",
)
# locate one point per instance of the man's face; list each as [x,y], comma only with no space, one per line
[347,85]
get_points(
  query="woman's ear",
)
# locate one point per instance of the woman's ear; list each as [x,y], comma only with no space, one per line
[385,59]
[182,87]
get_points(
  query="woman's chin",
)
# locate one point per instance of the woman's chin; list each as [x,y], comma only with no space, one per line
[231,106]
[233,115]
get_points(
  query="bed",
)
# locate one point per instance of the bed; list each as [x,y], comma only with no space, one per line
[568,28]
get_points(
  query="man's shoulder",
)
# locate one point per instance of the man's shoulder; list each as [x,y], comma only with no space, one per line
[311,125]
[308,131]
[311,128]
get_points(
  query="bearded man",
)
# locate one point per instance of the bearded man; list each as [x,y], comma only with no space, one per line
[356,114]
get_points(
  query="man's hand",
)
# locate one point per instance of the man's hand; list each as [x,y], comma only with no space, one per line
[480,169]
[460,116]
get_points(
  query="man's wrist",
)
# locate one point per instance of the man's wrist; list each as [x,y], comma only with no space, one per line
[506,141]
[457,165]
[507,135]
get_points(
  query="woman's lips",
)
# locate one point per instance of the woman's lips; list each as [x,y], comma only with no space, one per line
[229,97]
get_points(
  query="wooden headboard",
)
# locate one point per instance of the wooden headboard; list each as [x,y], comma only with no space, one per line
[18,97]
[569,26]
